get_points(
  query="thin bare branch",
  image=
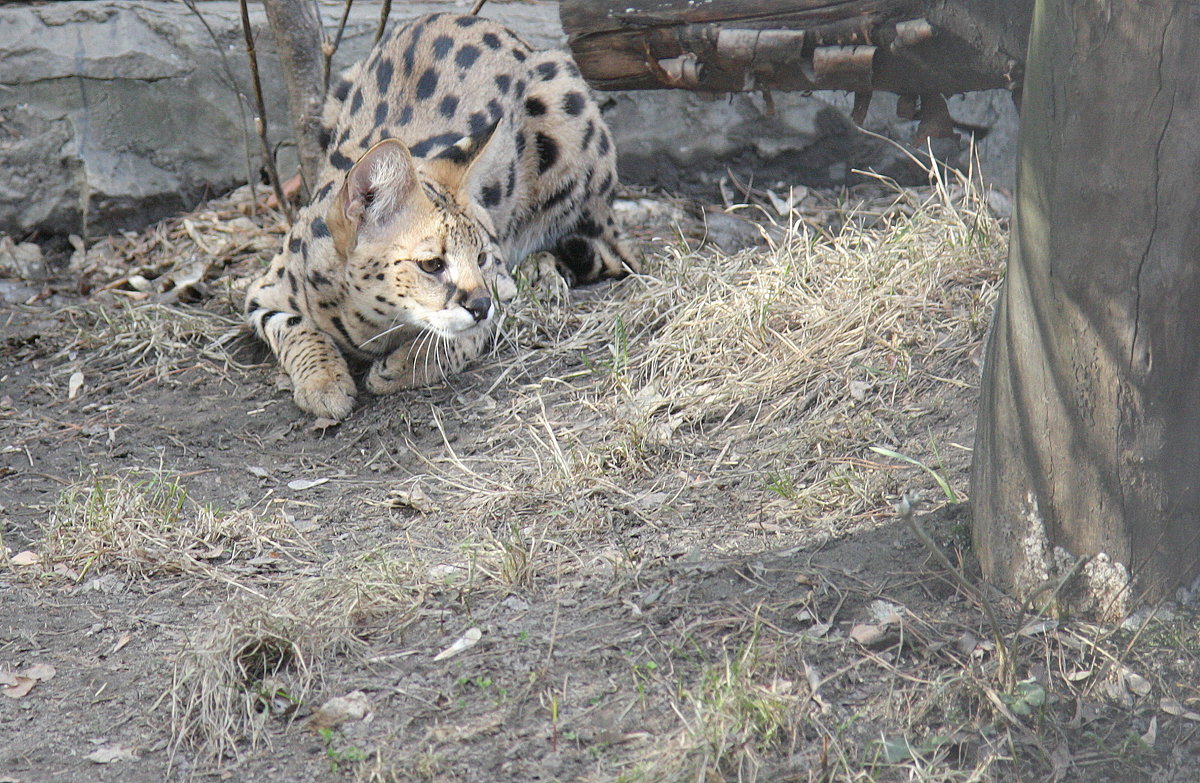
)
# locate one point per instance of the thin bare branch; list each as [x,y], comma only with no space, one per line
[328,50]
[384,13]
[260,121]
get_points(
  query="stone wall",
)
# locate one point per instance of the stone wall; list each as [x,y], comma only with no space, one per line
[119,112]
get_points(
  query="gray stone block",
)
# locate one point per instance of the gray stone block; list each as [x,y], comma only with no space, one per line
[115,113]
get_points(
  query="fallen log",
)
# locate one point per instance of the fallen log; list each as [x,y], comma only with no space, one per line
[924,48]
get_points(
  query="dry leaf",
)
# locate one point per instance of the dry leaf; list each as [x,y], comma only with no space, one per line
[110,753]
[25,558]
[40,672]
[323,423]
[74,384]
[1170,706]
[341,709]
[1152,732]
[465,642]
[859,389]
[1137,684]
[125,639]
[413,498]
[20,688]
[306,483]
[866,634]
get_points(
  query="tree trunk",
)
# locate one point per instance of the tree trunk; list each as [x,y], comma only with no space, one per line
[1089,430]
[297,33]
[903,46]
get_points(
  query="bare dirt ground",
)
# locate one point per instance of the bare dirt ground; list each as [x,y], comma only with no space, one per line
[647,540]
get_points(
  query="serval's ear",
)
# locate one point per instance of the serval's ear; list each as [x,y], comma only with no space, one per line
[380,189]
[457,167]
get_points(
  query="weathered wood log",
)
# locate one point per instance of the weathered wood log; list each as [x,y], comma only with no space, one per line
[911,47]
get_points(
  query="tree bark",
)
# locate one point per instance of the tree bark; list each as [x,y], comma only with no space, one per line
[1089,432]
[903,46]
[297,33]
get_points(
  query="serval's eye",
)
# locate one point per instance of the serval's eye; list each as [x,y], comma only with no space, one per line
[432,266]
[482,260]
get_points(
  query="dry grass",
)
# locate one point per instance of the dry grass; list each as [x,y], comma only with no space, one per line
[145,524]
[776,368]
[261,656]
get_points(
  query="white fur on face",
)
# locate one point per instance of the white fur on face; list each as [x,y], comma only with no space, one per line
[450,322]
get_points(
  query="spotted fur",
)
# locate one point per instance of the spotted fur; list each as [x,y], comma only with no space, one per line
[453,150]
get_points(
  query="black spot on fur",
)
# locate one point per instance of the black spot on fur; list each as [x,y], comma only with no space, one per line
[442,46]
[341,90]
[337,324]
[603,145]
[294,320]
[466,56]
[324,137]
[607,184]
[559,195]
[520,91]
[345,135]
[406,115]
[319,229]
[318,279]
[588,132]
[427,84]
[491,194]
[503,82]
[293,282]
[425,145]
[381,113]
[383,75]
[410,58]
[588,228]
[340,161]
[454,154]
[573,103]
[535,107]
[573,70]
[511,185]
[448,106]
[357,101]
[324,191]
[491,40]
[547,71]
[520,142]
[518,55]
[294,245]
[575,253]
[547,150]
[466,21]
[478,123]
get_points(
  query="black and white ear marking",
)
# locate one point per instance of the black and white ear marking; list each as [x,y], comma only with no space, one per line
[466,149]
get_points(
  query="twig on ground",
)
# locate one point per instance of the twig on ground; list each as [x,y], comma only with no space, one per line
[1006,664]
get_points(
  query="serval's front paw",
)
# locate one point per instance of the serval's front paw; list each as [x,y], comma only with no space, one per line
[329,396]
[400,371]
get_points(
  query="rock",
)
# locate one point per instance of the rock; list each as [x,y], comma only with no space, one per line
[22,261]
[116,113]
